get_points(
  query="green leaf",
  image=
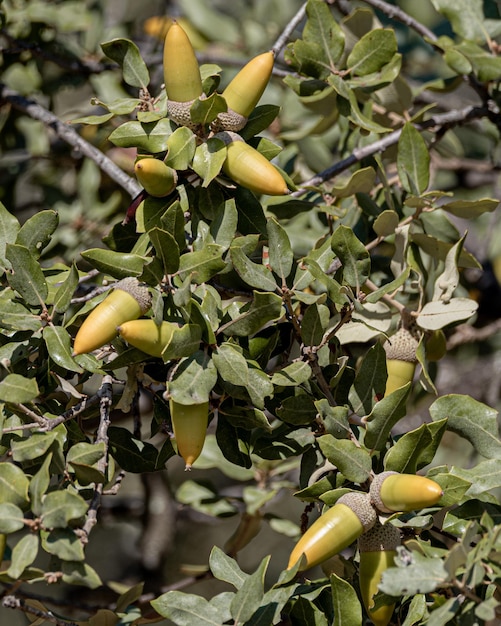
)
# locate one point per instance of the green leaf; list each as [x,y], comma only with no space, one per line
[370,381]
[86,453]
[314,324]
[11,518]
[14,485]
[225,568]
[393,285]
[253,274]
[127,55]
[305,612]
[484,477]
[18,389]
[353,256]
[471,420]
[415,573]
[27,277]
[63,543]
[173,221]
[280,252]
[352,461]
[35,233]
[292,375]
[466,17]
[375,49]
[116,264]
[186,609]
[470,209]
[413,160]
[224,224]
[59,508]
[34,446]
[166,249]
[39,485]
[439,314]
[208,159]
[181,147]
[203,264]
[385,414]
[264,308]
[334,418]
[133,455]
[15,316]
[23,555]
[250,594]
[194,380]
[58,344]
[9,227]
[485,64]
[415,449]
[66,291]
[184,342]
[76,573]
[260,119]
[386,223]
[151,137]
[361,181]
[347,608]
[205,110]
[297,410]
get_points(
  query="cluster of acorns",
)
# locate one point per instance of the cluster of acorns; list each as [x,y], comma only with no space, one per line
[244,164]
[355,516]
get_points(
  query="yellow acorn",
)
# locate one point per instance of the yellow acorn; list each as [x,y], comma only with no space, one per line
[157,178]
[183,83]
[249,168]
[393,492]
[128,301]
[244,91]
[436,345]
[401,359]
[352,515]
[147,335]
[378,549]
[189,422]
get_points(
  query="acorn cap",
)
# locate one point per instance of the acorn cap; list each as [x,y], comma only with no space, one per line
[380,538]
[401,346]
[360,504]
[137,290]
[229,120]
[179,112]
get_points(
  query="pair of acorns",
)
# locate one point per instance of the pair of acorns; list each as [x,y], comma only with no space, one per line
[118,314]
[244,164]
[355,516]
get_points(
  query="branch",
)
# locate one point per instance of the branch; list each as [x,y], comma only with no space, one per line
[442,121]
[68,134]
[288,30]
[396,13]
[11,602]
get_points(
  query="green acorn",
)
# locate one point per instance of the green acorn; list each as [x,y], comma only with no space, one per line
[352,515]
[378,549]
[401,359]
[183,83]
[393,492]
[189,422]
[244,92]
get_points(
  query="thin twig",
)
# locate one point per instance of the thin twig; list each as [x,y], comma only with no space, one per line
[69,134]
[398,14]
[288,30]
[11,602]
[442,120]
[105,394]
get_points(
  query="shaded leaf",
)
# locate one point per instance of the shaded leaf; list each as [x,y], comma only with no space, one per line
[58,342]
[413,160]
[18,389]
[116,264]
[27,277]
[352,461]
[127,55]
[59,508]
[23,555]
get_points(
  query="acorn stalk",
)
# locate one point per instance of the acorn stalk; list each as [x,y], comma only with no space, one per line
[128,301]
[189,422]
[393,492]
[157,178]
[249,168]
[244,92]
[401,359]
[352,515]
[378,549]
[183,83]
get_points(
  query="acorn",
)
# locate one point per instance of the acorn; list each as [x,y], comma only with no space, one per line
[147,335]
[189,422]
[352,515]
[128,301]
[249,168]
[378,549]
[392,492]
[401,359]
[157,178]
[183,83]
[244,92]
